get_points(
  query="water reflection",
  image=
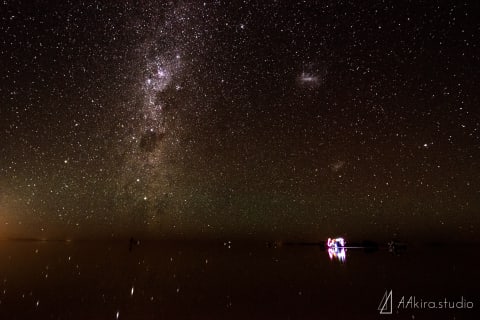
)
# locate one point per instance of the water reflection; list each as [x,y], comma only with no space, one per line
[337,253]
[157,280]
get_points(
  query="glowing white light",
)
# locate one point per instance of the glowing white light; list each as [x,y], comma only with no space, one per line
[339,254]
[336,249]
[335,242]
[308,78]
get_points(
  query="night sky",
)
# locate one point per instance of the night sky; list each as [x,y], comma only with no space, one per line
[240,119]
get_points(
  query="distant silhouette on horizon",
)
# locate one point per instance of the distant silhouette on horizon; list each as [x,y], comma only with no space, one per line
[133,243]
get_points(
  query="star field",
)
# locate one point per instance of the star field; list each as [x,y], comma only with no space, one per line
[257,119]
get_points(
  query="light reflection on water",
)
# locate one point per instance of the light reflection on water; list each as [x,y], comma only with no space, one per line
[338,253]
[185,281]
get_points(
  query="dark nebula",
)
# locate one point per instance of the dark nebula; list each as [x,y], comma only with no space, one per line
[150,140]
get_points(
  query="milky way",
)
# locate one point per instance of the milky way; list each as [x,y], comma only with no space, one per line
[264,119]
[145,185]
